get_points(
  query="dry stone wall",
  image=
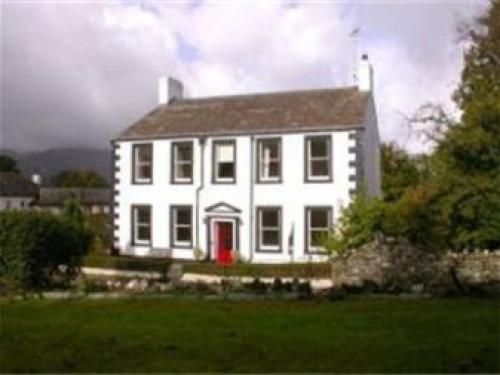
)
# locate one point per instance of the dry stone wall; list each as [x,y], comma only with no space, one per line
[396,266]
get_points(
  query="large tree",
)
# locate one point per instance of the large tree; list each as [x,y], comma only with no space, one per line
[469,152]
[8,164]
[399,171]
[79,178]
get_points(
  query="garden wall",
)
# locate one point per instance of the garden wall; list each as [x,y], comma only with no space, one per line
[396,266]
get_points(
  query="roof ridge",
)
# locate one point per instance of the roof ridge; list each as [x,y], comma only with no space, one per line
[261,94]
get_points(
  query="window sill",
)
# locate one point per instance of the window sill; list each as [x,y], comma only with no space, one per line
[269,250]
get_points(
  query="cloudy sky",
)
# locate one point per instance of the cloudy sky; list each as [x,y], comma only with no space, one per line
[77,73]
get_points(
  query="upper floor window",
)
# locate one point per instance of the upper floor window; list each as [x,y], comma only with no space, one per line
[182,162]
[224,161]
[181,226]
[318,158]
[142,165]
[269,160]
[318,223]
[269,229]
[141,225]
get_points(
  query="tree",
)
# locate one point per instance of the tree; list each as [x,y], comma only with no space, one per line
[399,171]
[469,152]
[8,164]
[79,178]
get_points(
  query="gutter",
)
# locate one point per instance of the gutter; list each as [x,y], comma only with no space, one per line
[200,187]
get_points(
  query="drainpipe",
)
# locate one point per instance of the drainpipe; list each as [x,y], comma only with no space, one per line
[252,139]
[199,189]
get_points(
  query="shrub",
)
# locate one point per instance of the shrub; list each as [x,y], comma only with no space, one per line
[257,286]
[304,289]
[278,286]
[358,225]
[38,249]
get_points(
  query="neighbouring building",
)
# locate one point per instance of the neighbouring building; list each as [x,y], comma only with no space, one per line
[16,192]
[263,175]
[92,200]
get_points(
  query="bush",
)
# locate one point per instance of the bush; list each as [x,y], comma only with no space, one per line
[278,286]
[359,224]
[38,249]
[304,289]
[257,286]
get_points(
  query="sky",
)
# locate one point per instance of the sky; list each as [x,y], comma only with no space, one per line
[77,73]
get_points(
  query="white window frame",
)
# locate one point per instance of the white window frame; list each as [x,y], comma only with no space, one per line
[260,229]
[310,159]
[176,163]
[264,165]
[136,225]
[216,178]
[310,248]
[140,163]
[176,225]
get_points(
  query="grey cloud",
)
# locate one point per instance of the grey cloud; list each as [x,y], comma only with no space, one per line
[77,74]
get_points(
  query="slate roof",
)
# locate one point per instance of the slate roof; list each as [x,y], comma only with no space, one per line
[15,185]
[341,108]
[87,196]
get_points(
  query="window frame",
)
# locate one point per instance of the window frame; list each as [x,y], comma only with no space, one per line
[307,159]
[308,248]
[134,226]
[173,163]
[215,170]
[135,151]
[173,226]
[269,180]
[260,248]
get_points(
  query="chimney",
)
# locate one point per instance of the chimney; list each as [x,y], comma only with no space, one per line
[365,74]
[169,89]
[36,179]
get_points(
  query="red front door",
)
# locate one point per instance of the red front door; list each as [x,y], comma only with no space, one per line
[224,242]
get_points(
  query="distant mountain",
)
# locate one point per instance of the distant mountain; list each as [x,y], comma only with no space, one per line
[50,162]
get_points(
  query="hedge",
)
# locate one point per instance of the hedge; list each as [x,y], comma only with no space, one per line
[38,249]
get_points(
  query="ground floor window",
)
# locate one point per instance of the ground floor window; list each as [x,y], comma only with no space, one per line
[141,225]
[269,229]
[318,223]
[181,228]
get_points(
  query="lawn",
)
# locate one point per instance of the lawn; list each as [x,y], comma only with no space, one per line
[189,335]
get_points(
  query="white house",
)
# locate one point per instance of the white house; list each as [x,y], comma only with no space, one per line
[260,174]
[16,192]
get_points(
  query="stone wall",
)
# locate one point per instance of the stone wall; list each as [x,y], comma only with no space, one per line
[398,267]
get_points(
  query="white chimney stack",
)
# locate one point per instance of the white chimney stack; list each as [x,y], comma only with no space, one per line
[365,74]
[36,179]
[169,89]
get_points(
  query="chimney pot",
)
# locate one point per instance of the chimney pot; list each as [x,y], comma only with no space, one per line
[365,74]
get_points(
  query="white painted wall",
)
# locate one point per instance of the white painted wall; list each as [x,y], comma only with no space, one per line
[15,203]
[292,194]
[371,153]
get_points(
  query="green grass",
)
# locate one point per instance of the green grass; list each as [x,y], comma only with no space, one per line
[261,270]
[167,335]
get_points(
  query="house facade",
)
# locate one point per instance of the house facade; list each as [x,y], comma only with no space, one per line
[260,176]
[16,192]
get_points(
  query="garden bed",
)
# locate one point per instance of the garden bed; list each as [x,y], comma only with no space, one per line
[127,263]
[294,270]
